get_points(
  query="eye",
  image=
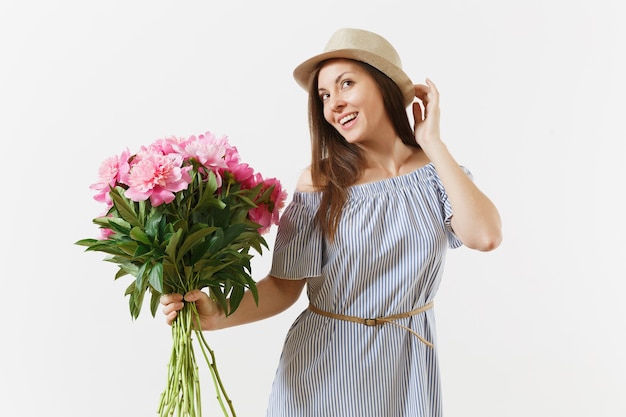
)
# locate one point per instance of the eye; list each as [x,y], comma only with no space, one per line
[324,96]
[346,83]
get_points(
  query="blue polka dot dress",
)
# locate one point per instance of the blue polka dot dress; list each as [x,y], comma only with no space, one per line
[387,258]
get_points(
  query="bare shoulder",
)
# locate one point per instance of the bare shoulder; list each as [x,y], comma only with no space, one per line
[305,182]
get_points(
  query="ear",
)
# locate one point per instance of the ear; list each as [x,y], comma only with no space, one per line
[418,111]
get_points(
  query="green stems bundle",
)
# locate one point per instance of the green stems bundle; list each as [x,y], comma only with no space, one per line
[182,396]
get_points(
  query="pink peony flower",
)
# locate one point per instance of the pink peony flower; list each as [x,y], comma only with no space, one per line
[206,149]
[167,145]
[279,194]
[262,214]
[242,172]
[110,174]
[156,176]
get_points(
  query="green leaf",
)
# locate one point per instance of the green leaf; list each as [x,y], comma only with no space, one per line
[221,218]
[134,305]
[155,277]
[257,245]
[201,251]
[106,248]
[246,200]
[232,232]
[170,277]
[142,209]
[170,249]
[114,223]
[125,210]
[128,247]
[208,198]
[192,240]
[139,278]
[253,289]
[210,184]
[137,296]
[206,268]
[122,260]
[139,235]
[144,252]
[236,277]
[235,299]
[219,297]
[130,289]
[266,198]
[153,223]
[154,301]
[121,272]
[86,242]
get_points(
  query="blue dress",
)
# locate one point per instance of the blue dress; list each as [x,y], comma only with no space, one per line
[387,258]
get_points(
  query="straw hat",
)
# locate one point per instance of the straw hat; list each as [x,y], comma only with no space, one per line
[364,46]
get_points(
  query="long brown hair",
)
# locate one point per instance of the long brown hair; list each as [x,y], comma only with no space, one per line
[337,164]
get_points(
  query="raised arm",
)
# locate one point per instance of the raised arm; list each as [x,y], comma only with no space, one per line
[475,220]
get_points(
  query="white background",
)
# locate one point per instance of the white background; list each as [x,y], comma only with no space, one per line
[532,102]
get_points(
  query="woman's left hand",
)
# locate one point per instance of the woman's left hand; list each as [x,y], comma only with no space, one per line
[426,114]
[476,220]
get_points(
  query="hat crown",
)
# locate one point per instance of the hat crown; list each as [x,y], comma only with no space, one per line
[363,40]
[364,46]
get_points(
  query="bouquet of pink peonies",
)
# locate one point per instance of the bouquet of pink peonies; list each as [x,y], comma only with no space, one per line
[183,214]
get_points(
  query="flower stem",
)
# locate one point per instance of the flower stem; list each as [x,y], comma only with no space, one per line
[182,396]
[217,380]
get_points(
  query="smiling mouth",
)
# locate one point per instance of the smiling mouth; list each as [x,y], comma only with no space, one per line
[347,118]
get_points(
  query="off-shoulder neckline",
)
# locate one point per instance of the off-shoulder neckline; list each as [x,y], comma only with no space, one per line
[421,173]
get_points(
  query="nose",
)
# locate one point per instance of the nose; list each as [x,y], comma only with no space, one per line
[336,102]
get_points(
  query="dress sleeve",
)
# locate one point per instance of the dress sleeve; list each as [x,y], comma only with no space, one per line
[298,245]
[453,240]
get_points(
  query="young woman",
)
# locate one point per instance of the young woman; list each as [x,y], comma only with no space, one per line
[366,233]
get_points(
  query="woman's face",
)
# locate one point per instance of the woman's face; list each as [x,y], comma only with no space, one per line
[352,101]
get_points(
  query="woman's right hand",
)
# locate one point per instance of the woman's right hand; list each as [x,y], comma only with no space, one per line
[208,310]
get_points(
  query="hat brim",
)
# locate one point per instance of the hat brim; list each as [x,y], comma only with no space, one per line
[305,70]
